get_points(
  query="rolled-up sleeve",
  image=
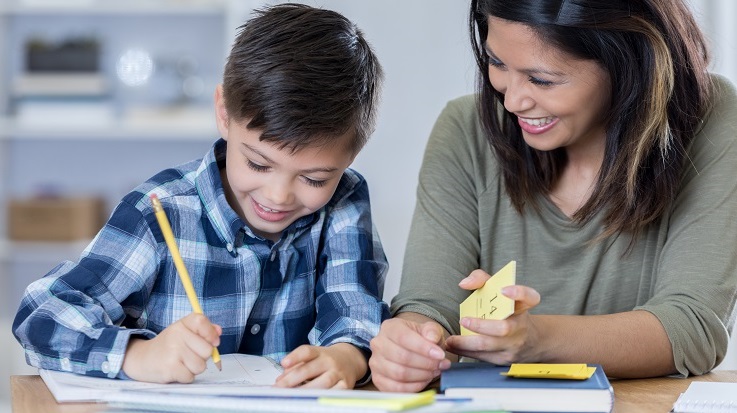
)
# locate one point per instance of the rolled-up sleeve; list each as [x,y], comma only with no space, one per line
[696,279]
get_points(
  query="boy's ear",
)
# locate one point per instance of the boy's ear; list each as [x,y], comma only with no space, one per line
[221,114]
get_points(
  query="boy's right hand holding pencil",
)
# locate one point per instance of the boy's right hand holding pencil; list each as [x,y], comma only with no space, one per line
[180,351]
[177,354]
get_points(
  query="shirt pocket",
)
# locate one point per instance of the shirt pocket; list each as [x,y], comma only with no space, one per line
[299,293]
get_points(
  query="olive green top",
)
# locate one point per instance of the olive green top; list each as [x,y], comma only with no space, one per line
[683,269]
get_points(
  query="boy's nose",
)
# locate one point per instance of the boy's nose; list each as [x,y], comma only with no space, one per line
[279,193]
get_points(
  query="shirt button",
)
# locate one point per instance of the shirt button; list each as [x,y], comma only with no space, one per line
[255,329]
[229,247]
[105,367]
[65,364]
[273,256]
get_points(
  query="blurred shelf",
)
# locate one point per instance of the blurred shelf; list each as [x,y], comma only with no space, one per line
[40,251]
[101,7]
[183,124]
[192,123]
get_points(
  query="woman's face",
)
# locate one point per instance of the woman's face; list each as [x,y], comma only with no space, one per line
[560,101]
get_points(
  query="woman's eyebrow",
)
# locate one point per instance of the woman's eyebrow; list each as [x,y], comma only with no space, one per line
[528,71]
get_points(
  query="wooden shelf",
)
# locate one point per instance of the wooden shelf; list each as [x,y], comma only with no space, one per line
[104,7]
[186,125]
[39,251]
[168,124]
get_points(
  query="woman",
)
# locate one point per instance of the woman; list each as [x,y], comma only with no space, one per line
[601,156]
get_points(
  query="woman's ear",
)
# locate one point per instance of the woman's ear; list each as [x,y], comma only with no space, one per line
[221,113]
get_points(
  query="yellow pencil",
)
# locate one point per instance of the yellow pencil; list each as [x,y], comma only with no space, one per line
[179,264]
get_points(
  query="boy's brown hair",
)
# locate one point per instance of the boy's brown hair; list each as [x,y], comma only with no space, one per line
[303,76]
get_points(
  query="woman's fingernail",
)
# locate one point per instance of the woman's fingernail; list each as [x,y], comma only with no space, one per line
[437,354]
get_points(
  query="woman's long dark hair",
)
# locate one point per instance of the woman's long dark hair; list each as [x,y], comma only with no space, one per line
[657,59]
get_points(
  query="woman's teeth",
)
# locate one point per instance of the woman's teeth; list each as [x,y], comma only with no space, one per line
[538,121]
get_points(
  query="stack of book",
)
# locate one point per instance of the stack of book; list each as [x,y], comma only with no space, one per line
[484,381]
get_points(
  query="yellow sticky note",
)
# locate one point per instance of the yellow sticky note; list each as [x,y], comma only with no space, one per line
[390,403]
[488,302]
[550,371]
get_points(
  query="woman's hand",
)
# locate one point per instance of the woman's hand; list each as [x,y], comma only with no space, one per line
[407,354]
[507,341]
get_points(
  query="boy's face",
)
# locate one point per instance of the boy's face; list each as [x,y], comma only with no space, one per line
[270,188]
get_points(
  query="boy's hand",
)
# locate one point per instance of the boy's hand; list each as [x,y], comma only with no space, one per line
[177,354]
[338,366]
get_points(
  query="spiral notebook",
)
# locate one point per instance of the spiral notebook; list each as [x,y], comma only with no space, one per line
[707,397]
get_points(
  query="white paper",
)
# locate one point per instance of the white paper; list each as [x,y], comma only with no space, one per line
[705,397]
[277,400]
[238,370]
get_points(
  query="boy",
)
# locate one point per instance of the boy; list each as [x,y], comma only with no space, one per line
[274,229]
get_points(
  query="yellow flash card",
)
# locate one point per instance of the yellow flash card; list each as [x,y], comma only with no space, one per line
[488,302]
[388,402]
[550,371]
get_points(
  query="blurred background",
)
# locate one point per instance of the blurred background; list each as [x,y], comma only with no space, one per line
[96,96]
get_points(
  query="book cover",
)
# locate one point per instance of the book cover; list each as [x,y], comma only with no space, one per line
[484,381]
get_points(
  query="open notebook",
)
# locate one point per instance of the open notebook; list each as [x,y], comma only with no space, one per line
[241,370]
[244,384]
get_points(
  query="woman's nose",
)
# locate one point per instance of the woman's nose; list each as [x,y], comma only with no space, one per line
[517,98]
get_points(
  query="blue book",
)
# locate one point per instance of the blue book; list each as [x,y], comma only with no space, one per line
[484,381]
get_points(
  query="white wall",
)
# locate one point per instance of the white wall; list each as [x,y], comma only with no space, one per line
[717,18]
[425,51]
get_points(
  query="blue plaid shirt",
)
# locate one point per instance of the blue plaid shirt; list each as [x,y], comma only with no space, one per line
[320,284]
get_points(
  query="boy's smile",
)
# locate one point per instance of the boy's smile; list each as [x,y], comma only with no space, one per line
[268,214]
[271,187]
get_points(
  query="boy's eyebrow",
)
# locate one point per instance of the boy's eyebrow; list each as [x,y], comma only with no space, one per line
[529,71]
[259,153]
[267,159]
[313,170]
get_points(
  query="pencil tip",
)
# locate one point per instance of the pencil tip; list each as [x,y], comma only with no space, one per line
[219,365]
